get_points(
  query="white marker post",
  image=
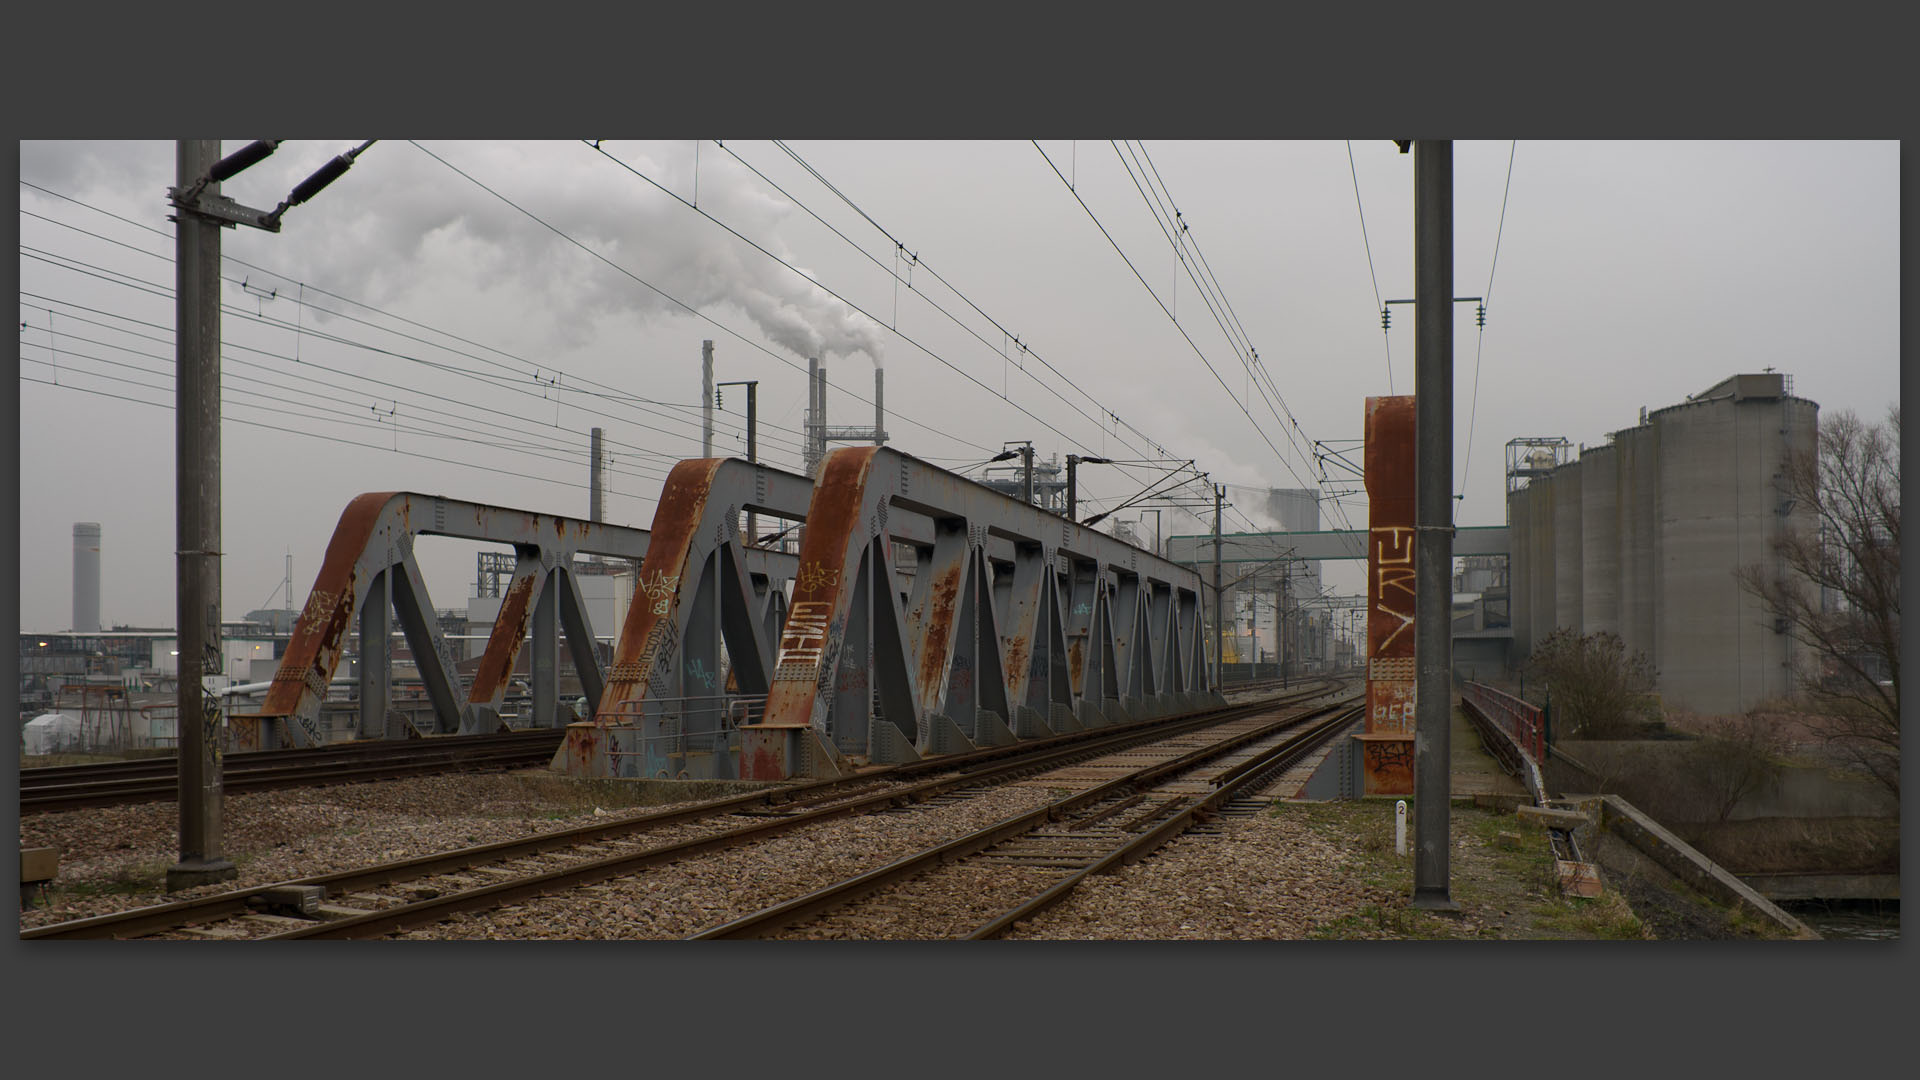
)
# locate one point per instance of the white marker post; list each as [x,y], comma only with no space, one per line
[1400,827]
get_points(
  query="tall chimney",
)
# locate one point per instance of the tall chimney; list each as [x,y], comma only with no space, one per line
[879,405]
[596,479]
[810,452]
[706,399]
[820,431]
[86,576]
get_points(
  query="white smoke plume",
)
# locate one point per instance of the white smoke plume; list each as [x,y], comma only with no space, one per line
[617,214]
[391,226]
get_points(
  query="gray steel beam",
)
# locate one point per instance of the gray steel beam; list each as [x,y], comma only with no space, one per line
[376,664]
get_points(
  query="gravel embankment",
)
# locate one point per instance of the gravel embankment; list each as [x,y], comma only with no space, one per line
[1266,877]
[681,899]
[113,858]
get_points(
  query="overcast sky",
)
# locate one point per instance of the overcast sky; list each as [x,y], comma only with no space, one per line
[409,329]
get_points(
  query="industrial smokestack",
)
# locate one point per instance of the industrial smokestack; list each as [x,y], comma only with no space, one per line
[86,576]
[596,480]
[879,406]
[706,399]
[820,422]
[810,451]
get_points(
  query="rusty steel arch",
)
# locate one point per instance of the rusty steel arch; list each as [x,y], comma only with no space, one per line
[369,572]
[664,709]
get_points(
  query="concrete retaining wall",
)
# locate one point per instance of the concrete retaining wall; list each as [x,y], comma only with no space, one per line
[1680,859]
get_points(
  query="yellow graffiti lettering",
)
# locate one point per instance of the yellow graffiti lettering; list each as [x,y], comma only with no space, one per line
[1392,544]
[1395,578]
[814,576]
[1406,620]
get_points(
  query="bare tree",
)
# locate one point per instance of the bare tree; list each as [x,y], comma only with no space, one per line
[1836,588]
[1740,756]
[1599,690]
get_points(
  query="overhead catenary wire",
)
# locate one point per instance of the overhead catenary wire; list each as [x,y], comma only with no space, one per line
[837,296]
[1179,234]
[676,301]
[514,387]
[515,383]
[572,383]
[494,440]
[314,435]
[1173,232]
[914,261]
[1480,338]
[1378,304]
[1026,348]
[508,376]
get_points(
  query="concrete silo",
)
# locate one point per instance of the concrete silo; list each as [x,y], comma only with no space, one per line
[1599,541]
[1540,549]
[1638,450]
[1520,596]
[1721,503]
[1566,546]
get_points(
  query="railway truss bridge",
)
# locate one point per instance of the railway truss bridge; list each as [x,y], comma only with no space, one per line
[923,614]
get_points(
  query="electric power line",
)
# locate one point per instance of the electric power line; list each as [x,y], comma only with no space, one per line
[1480,339]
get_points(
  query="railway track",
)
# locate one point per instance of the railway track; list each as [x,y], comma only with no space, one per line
[1016,868]
[389,898]
[70,787]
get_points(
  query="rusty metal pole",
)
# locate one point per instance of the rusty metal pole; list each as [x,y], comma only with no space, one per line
[1433,519]
[196,424]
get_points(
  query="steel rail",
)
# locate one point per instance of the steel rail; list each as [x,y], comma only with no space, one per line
[39,794]
[1250,774]
[157,918]
[437,909]
[167,764]
[776,917]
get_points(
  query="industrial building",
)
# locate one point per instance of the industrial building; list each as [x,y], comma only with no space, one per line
[1641,537]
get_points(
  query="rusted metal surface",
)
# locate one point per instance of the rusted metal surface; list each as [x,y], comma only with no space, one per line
[373,543]
[503,645]
[1386,764]
[1390,469]
[1519,724]
[697,587]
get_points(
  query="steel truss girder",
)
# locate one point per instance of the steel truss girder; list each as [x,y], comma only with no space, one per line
[369,572]
[663,706]
[1019,624]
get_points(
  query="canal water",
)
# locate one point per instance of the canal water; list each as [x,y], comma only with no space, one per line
[1849,920]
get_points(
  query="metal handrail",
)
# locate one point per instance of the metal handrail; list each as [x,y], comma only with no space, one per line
[1524,722]
[736,710]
